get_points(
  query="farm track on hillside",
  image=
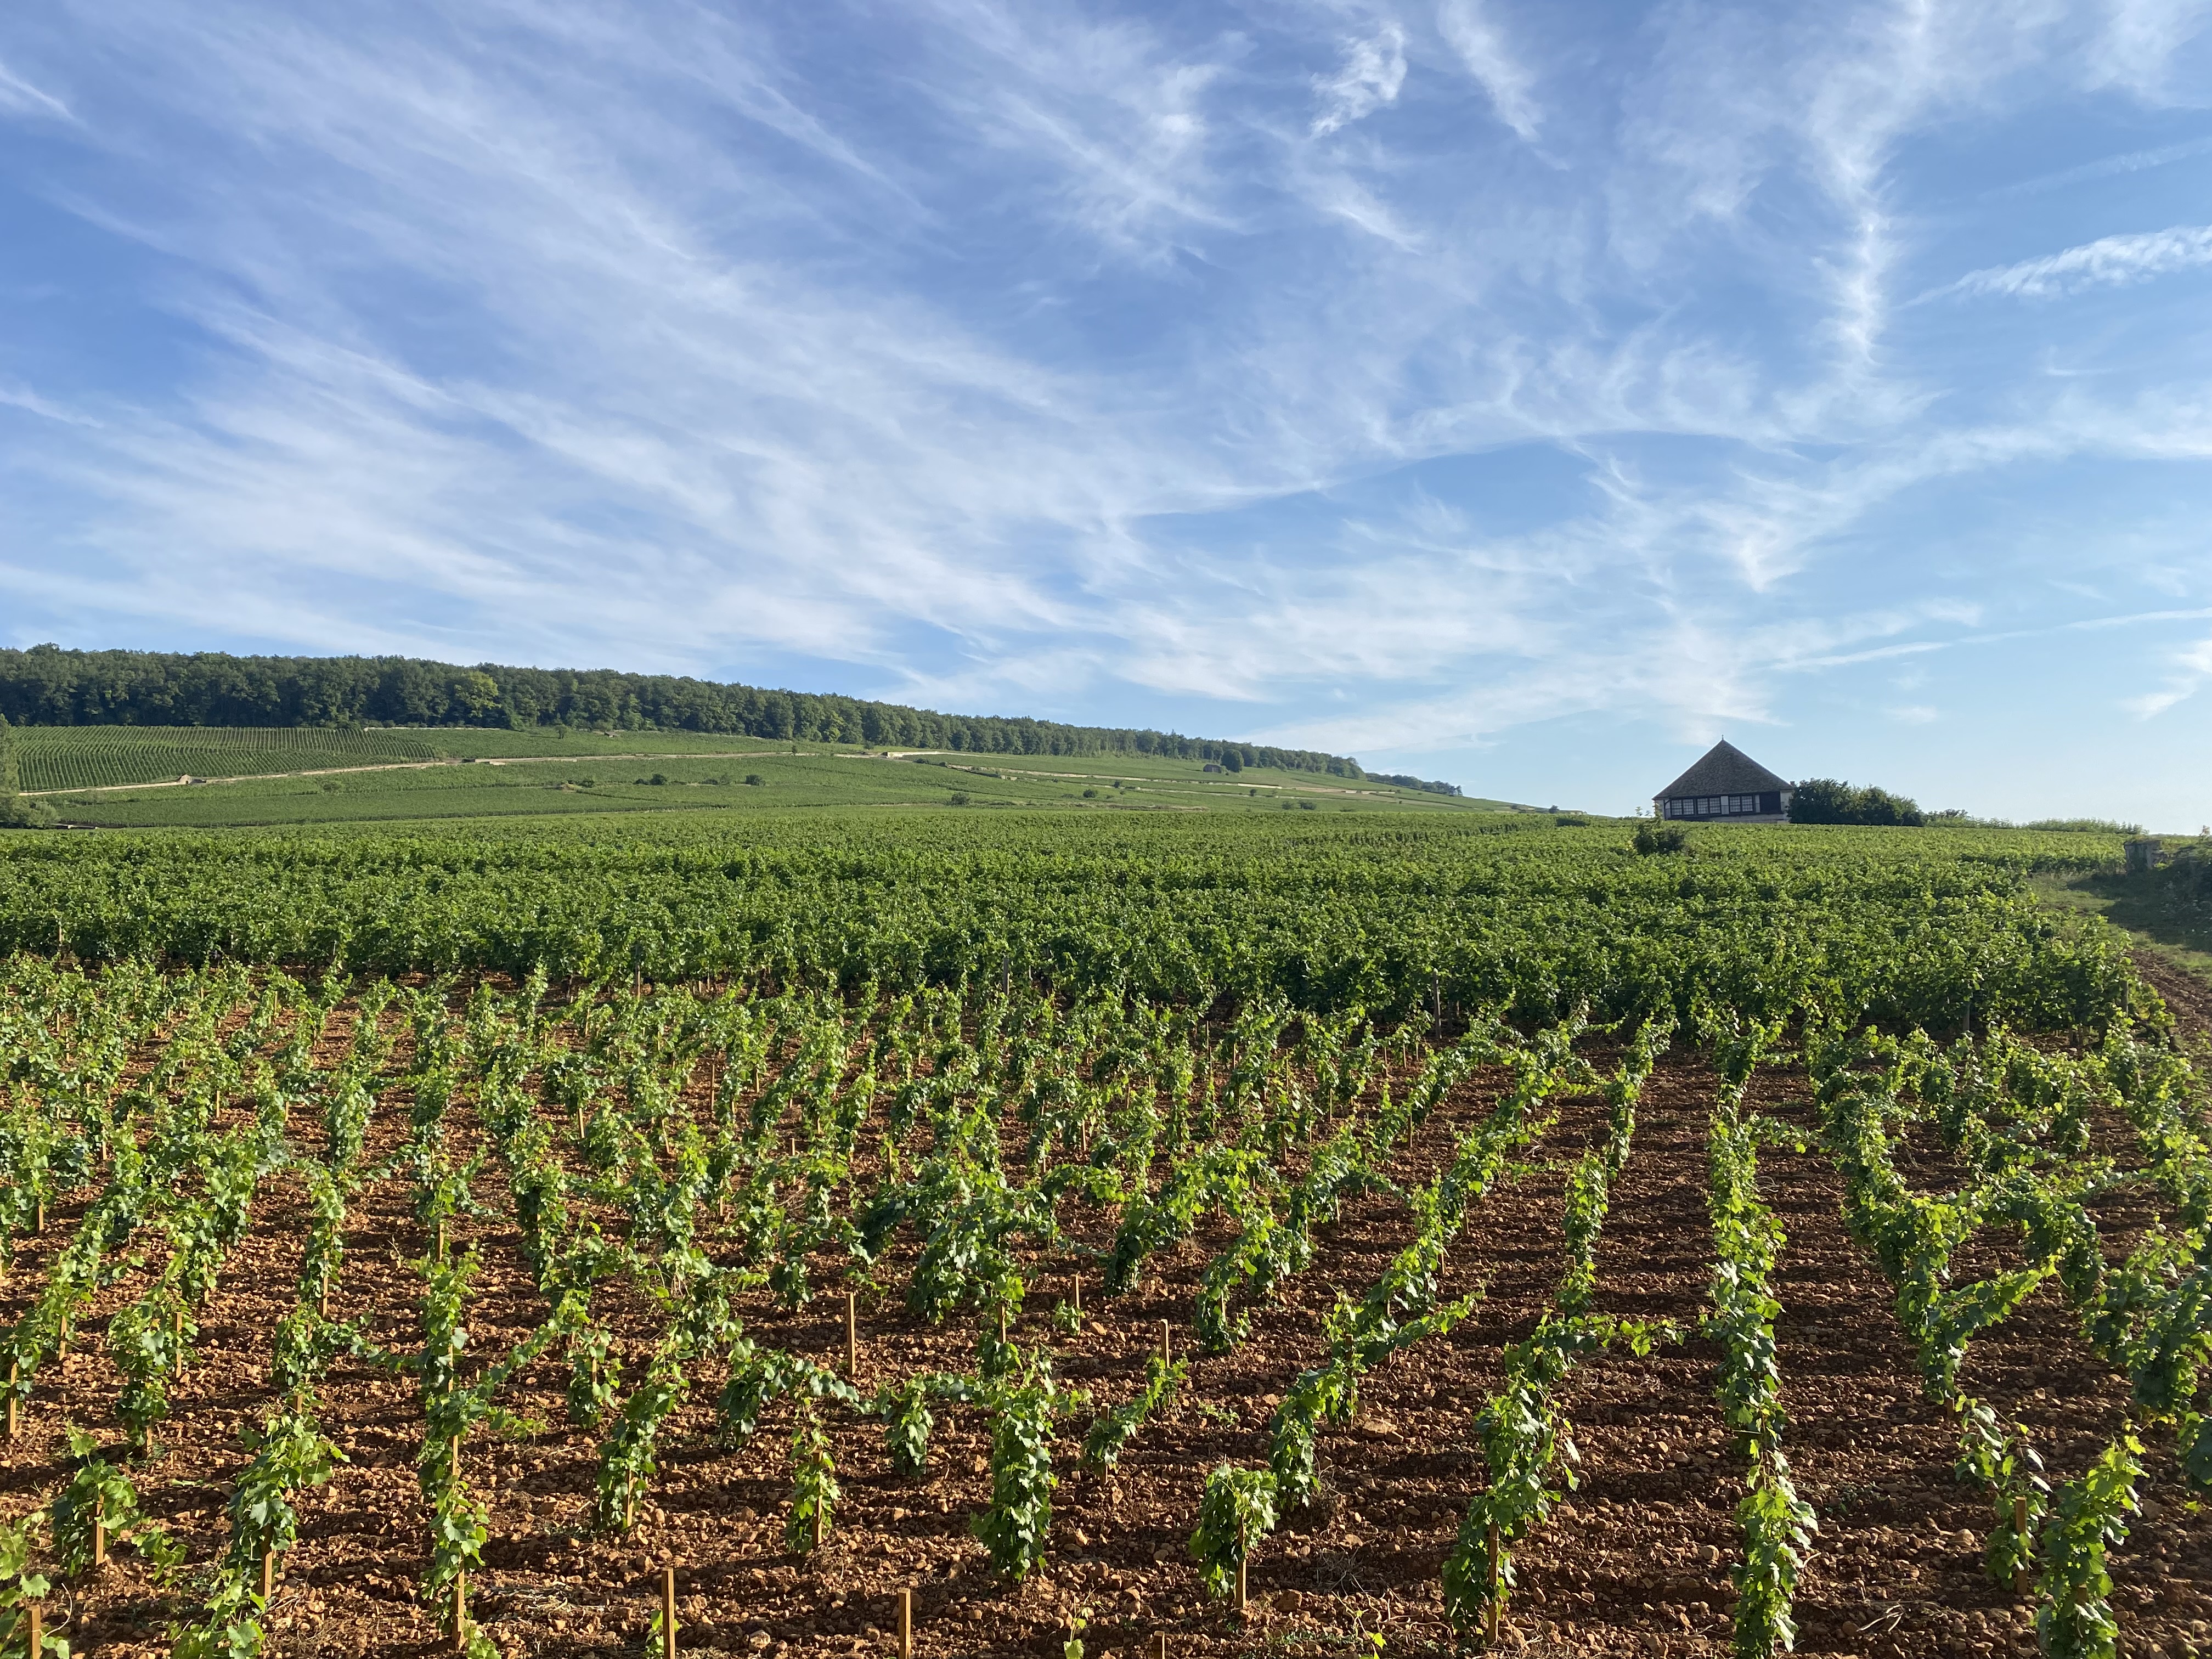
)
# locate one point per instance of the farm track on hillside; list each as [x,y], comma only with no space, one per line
[399,766]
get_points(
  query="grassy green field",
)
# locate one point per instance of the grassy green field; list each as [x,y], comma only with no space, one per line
[469,774]
[61,758]
[2131,904]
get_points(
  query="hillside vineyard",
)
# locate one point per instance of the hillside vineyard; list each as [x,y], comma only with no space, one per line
[558,1240]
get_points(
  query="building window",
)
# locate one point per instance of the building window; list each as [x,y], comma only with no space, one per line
[1720,806]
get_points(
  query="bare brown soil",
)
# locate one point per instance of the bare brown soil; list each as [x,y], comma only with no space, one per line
[2187,995]
[1636,1562]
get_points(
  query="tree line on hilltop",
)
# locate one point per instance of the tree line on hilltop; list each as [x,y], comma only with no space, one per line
[46,685]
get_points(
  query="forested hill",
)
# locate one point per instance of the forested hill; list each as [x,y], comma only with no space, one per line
[48,686]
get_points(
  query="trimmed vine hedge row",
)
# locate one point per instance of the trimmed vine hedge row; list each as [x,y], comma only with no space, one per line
[1934,928]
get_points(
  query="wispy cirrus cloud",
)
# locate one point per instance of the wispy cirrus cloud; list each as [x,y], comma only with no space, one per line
[16,396]
[1473,33]
[1373,72]
[1354,371]
[19,97]
[2140,42]
[2109,167]
[2108,262]
[2191,667]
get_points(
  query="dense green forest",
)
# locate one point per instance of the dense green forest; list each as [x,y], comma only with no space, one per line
[48,686]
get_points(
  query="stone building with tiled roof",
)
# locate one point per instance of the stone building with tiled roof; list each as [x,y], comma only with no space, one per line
[1728,785]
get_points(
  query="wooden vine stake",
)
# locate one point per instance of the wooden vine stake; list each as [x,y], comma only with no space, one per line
[1167,1344]
[32,1613]
[461,1612]
[1495,1609]
[1243,1556]
[906,1624]
[323,1297]
[267,1575]
[2020,1576]
[1077,1288]
[1002,1324]
[441,1238]
[1160,1645]
[668,1612]
[99,1531]
[852,1336]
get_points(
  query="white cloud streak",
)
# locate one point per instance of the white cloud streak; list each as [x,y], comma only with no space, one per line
[2191,668]
[2137,46]
[19,97]
[2108,262]
[16,396]
[1015,355]
[2110,167]
[1474,35]
[1371,76]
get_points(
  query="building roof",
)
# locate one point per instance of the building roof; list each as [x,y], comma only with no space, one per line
[1725,770]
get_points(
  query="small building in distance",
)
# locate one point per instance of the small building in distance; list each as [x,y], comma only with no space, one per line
[2148,852]
[1728,785]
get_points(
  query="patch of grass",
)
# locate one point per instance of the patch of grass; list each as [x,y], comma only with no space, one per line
[2131,904]
[691,775]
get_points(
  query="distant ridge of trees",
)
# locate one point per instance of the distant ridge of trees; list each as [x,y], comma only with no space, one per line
[46,685]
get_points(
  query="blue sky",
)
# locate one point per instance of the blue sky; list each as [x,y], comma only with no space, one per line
[1520,393]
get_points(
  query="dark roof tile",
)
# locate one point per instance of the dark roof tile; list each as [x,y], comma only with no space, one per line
[1724,771]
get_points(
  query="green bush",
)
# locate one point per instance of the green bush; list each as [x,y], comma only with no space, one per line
[1826,800]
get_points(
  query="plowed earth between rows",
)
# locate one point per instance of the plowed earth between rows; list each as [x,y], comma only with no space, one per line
[1635,1562]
